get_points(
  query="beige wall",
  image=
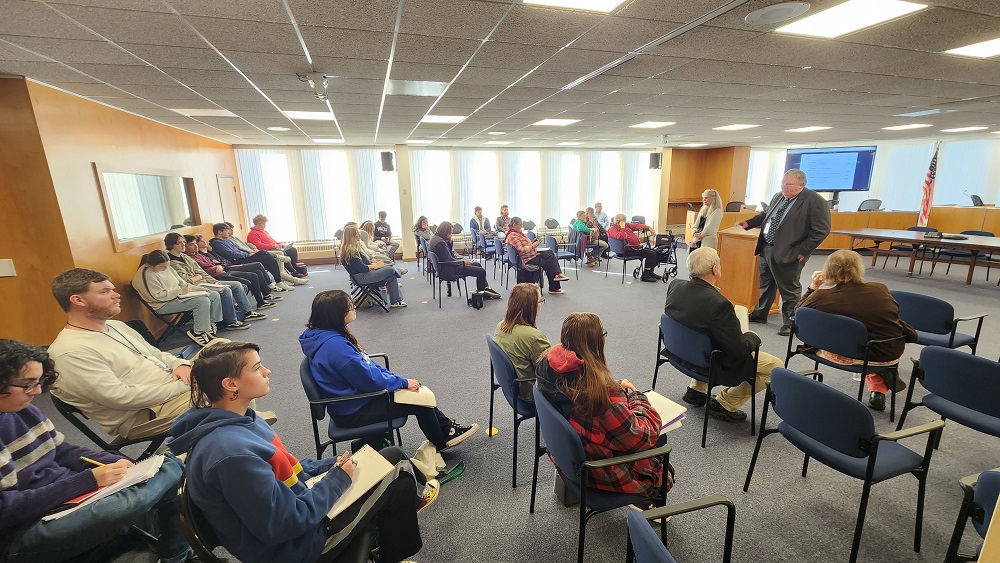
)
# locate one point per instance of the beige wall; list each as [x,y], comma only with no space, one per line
[73,134]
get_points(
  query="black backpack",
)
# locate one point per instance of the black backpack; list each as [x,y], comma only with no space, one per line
[476,300]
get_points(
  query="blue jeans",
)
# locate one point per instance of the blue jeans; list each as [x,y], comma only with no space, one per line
[205,310]
[387,275]
[239,296]
[107,519]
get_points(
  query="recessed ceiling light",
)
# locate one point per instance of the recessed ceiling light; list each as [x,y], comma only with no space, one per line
[635,144]
[652,124]
[278,129]
[980,50]
[734,127]
[809,129]
[315,115]
[556,122]
[497,133]
[905,127]
[569,143]
[692,145]
[419,141]
[498,142]
[330,141]
[850,16]
[589,5]
[964,129]
[205,112]
[442,119]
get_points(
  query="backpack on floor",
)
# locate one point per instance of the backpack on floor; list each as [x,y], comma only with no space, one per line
[476,299]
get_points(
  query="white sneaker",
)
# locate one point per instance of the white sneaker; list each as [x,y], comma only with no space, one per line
[286,287]
[200,338]
[299,281]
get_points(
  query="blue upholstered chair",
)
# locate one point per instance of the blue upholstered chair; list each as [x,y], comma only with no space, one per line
[336,433]
[934,320]
[504,377]
[617,249]
[564,255]
[646,547]
[898,250]
[514,262]
[951,253]
[979,502]
[839,432]
[447,275]
[565,447]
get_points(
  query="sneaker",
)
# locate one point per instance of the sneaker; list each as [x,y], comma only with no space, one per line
[655,275]
[757,319]
[299,281]
[557,291]
[430,494]
[269,417]
[254,316]
[696,398]
[560,278]
[266,305]
[458,434]
[785,330]
[278,289]
[716,410]
[274,298]
[877,401]
[200,338]
[399,305]
[286,287]
[491,293]
[403,271]
[236,325]
[648,277]
[592,263]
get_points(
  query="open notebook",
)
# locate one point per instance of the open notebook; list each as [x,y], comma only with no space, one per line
[671,413]
[138,473]
[372,468]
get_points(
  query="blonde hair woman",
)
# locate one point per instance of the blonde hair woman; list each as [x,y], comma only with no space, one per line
[840,289]
[518,336]
[367,271]
[706,224]
[611,416]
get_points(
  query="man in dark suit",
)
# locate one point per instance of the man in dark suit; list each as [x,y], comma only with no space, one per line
[795,223]
[698,304]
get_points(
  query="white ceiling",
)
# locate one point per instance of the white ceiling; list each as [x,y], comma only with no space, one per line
[506,66]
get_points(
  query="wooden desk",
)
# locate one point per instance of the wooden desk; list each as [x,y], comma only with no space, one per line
[740,282]
[973,244]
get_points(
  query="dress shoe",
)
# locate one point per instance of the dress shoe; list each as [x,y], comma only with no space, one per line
[785,330]
[696,398]
[877,401]
[646,277]
[757,318]
[718,411]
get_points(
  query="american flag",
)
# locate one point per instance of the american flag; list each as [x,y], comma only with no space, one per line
[928,190]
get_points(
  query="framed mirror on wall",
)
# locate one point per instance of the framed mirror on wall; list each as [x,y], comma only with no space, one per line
[142,204]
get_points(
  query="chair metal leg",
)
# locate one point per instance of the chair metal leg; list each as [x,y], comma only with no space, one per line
[513,478]
[861,522]
[583,520]
[704,426]
[963,518]
[918,527]
[805,465]
[909,405]
[534,477]
[756,450]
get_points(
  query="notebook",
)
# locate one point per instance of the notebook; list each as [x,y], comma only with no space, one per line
[371,469]
[138,473]
[423,397]
[671,413]
[743,314]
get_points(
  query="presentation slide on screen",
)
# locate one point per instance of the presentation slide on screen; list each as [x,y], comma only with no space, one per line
[829,171]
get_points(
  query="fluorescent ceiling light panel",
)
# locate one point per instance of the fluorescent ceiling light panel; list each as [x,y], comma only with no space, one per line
[964,129]
[652,124]
[850,16]
[442,119]
[982,50]
[556,122]
[809,129]
[205,112]
[416,88]
[419,141]
[692,145]
[604,6]
[497,133]
[635,144]
[330,141]
[314,115]
[569,143]
[278,129]
[734,127]
[907,127]
[498,142]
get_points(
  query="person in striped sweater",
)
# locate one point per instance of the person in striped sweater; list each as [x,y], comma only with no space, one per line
[40,472]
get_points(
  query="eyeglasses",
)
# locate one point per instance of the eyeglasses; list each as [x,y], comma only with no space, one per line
[29,387]
[542,300]
[605,333]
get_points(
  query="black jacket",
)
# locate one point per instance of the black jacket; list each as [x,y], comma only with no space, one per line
[699,305]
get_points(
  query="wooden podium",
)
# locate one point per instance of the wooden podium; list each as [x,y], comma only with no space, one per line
[740,281]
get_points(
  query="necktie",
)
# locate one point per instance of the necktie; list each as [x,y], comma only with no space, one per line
[775,220]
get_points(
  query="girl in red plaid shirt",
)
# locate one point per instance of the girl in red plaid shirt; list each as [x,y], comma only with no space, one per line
[611,416]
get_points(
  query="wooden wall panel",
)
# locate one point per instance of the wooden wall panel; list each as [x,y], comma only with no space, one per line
[992,221]
[956,219]
[35,238]
[74,134]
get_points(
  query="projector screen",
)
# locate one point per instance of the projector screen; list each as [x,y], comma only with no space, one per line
[834,169]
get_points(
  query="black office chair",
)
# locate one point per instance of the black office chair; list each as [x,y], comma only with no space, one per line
[361,292]
[898,250]
[528,225]
[78,419]
[174,321]
[198,531]
[639,219]
[870,205]
[976,200]
[734,206]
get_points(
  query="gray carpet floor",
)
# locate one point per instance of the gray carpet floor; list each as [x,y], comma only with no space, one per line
[479,517]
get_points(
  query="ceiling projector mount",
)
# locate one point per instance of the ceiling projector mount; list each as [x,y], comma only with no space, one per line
[317,81]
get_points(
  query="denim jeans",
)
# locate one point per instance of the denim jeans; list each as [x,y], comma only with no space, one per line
[239,298]
[107,519]
[206,309]
[386,274]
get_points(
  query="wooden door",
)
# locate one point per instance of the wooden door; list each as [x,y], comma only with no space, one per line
[229,200]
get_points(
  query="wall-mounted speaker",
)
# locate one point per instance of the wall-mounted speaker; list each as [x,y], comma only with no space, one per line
[655,160]
[387,161]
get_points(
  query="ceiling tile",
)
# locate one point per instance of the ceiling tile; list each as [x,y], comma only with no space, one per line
[544,26]
[623,34]
[455,18]
[129,26]
[512,56]
[34,19]
[177,57]
[365,15]
[73,51]
[346,43]
[231,35]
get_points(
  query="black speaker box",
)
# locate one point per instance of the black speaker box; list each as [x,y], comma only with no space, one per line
[387,161]
[655,160]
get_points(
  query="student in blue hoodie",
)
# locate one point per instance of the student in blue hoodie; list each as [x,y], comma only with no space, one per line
[341,367]
[253,490]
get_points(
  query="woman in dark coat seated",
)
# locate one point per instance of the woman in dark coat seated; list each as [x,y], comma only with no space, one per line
[450,262]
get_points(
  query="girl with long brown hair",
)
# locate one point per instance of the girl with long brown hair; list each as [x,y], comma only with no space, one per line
[611,416]
[367,271]
[517,335]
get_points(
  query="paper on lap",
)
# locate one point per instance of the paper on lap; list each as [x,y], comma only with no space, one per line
[371,469]
[671,413]
[423,397]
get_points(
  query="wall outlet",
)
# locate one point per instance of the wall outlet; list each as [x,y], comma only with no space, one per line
[7,268]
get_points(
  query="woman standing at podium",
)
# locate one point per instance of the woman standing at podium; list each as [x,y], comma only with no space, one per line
[706,224]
